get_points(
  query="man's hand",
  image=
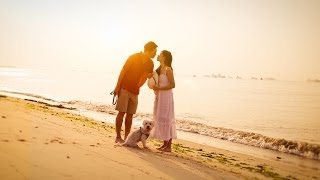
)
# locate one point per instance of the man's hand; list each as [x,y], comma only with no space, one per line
[150,75]
[116,90]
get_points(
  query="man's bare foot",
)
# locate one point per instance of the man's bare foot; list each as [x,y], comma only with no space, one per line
[119,140]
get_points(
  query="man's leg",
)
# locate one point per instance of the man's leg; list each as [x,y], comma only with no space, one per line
[119,121]
[128,123]
[132,108]
[121,107]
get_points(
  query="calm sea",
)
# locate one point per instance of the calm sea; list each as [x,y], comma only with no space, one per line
[272,114]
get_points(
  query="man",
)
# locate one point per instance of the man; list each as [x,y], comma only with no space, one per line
[133,75]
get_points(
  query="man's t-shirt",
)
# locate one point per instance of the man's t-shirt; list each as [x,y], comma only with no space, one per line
[136,72]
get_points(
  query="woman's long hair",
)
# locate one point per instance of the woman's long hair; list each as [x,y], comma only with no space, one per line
[167,60]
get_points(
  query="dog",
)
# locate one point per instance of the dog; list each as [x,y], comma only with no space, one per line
[140,134]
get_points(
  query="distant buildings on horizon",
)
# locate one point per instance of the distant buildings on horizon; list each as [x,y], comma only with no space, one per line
[236,77]
[313,80]
[252,78]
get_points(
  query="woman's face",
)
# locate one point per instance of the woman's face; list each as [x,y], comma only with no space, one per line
[161,58]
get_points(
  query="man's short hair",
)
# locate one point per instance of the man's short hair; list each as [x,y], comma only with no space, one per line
[149,46]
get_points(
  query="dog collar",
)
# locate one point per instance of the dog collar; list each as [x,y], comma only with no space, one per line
[143,133]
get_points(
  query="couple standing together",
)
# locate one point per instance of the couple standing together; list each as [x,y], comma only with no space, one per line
[133,75]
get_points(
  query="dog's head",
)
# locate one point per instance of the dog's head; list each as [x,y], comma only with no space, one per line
[147,125]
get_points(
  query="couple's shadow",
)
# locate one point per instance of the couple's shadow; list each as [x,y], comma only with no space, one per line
[168,165]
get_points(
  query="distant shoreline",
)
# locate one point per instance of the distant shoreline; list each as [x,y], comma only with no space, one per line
[3,66]
[213,75]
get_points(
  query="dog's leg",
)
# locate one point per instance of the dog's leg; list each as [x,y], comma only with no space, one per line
[130,145]
[144,141]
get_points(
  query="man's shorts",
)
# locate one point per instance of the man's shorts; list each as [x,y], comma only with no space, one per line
[127,102]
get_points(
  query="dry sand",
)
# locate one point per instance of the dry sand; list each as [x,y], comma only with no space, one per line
[42,142]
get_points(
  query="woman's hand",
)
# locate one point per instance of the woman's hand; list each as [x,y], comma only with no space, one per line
[156,88]
[156,92]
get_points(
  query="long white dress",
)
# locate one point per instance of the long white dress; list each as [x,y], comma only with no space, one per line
[163,113]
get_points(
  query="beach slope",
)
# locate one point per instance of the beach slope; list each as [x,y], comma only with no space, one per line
[38,141]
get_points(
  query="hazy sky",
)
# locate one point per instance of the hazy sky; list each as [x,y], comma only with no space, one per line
[273,38]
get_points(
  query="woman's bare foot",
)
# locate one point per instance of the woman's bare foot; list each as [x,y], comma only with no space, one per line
[166,149]
[165,143]
[163,146]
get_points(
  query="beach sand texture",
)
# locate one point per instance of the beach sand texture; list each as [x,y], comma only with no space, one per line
[38,141]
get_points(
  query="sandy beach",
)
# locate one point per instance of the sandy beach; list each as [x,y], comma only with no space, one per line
[38,141]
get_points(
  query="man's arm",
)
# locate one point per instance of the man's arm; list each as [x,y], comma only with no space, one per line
[118,86]
[146,75]
[126,66]
[150,71]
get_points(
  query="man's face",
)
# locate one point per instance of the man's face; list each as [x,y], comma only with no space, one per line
[153,53]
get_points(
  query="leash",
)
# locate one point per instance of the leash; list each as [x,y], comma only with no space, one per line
[114,102]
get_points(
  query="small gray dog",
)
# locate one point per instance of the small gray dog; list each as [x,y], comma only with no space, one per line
[140,134]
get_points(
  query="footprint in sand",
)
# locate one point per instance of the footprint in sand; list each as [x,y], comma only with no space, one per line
[57,140]
[21,140]
[92,145]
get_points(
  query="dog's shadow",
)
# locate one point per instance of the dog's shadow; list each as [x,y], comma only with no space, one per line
[133,148]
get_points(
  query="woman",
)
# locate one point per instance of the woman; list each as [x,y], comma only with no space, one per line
[163,112]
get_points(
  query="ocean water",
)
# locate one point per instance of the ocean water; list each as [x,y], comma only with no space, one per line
[270,114]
